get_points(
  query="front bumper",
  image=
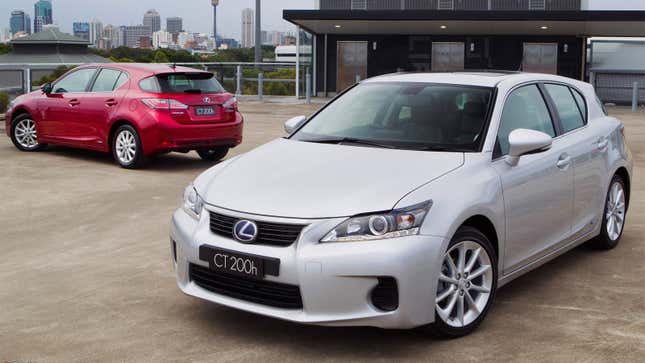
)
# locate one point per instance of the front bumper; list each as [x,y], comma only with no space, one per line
[335,279]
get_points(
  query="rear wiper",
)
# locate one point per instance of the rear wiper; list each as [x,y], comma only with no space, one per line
[197,91]
[350,140]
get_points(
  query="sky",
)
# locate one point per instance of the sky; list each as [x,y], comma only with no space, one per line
[197,14]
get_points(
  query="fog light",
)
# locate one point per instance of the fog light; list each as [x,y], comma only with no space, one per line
[385,296]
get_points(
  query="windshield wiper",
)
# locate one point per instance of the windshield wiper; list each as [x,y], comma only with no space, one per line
[350,140]
[440,148]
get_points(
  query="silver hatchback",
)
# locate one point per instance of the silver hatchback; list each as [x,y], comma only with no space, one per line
[407,201]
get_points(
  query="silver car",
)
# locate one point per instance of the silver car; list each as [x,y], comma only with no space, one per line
[407,201]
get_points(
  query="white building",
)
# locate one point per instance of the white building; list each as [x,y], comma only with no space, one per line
[96,31]
[183,38]
[248,28]
[161,39]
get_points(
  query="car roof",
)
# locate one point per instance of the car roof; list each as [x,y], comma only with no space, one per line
[146,68]
[475,78]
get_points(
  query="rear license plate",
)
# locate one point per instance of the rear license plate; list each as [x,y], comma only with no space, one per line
[236,263]
[205,111]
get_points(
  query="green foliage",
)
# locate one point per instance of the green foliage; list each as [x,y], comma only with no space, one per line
[5,48]
[52,76]
[160,57]
[4,102]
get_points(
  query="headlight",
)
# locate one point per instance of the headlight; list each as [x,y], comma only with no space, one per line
[397,223]
[193,203]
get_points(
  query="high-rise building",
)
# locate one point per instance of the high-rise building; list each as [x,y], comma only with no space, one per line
[81,30]
[152,20]
[42,15]
[96,31]
[248,28]
[20,22]
[161,39]
[137,36]
[174,25]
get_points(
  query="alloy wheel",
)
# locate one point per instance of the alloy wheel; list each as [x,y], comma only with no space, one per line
[615,213]
[25,134]
[465,284]
[126,147]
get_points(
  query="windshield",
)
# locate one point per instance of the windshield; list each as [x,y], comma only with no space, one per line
[182,83]
[404,115]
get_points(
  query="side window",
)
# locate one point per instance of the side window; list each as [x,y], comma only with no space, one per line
[524,109]
[106,80]
[581,103]
[567,107]
[75,82]
[123,78]
[150,84]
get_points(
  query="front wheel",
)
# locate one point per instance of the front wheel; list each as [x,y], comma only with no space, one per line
[466,286]
[126,148]
[215,154]
[613,220]
[24,135]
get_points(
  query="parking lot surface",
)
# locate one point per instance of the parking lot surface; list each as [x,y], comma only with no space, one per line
[85,276]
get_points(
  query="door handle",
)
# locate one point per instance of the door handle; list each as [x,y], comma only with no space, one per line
[74,102]
[602,144]
[111,102]
[563,162]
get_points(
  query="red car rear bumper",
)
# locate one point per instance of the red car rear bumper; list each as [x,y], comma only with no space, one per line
[173,136]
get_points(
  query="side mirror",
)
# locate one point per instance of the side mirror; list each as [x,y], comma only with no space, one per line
[523,141]
[292,124]
[46,88]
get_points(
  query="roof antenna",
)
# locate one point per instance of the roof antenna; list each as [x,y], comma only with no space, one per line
[173,66]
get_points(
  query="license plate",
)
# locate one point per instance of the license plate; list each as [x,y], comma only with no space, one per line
[204,111]
[236,263]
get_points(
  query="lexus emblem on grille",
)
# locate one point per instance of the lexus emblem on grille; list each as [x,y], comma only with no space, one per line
[245,231]
[207,100]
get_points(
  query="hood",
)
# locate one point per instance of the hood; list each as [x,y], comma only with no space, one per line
[297,179]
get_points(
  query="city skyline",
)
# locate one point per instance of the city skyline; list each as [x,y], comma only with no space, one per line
[66,12]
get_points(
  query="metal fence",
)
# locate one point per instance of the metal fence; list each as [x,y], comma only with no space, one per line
[241,78]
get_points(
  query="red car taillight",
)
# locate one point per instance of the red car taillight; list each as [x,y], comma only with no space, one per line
[230,105]
[164,104]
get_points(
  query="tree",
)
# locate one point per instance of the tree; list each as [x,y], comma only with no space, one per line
[5,48]
[160,57]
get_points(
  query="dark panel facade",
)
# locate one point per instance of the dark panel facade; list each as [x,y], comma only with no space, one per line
[392,53]
[454,4]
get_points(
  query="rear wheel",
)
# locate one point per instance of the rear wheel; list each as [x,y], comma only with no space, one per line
[466,286]
[613,220]
[126,148]
[215,154]
[24,134]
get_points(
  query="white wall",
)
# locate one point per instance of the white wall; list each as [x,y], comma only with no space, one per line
[613,5]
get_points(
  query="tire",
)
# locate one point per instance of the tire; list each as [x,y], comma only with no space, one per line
[24,135]
[480,290]
[215,154]
[126,148]
[614,211]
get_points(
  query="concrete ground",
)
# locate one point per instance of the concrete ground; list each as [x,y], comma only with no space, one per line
[85,276]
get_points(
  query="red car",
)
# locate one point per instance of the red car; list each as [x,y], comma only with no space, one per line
[131,110]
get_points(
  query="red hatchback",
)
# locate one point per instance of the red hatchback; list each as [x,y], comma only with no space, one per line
[131,110]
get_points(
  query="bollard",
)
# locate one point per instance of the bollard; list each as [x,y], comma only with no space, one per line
[635,97]
[358,78]
[308,87]
[27,79]
[260,86]
[238,81]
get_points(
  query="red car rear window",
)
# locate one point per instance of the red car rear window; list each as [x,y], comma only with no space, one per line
[182,83]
